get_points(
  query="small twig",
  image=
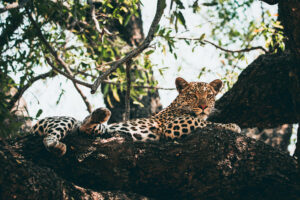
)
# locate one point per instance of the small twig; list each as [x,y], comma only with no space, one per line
[237,51]
[127,97]
[152,87]
[21,90]
[94,18]
[67,75]
[14,5]
[161,4]
[221,48]
[84,98]
[93,15]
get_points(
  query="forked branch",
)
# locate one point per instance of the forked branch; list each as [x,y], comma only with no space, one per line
[161,4]
[58,59]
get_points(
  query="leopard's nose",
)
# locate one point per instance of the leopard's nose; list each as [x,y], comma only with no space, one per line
[203,106]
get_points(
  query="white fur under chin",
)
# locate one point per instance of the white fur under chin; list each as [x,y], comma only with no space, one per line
[202,116]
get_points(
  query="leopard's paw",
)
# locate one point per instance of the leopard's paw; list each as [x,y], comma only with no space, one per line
[54,146]
[59,150]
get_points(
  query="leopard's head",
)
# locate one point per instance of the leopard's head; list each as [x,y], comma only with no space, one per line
[198,97]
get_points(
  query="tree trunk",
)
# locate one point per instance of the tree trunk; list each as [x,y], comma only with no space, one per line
[267,93]
[289,12]
[261,97]
[209,164]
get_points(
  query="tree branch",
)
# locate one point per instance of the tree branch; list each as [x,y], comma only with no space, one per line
[15,5]
[22,179]
[270,2]
[58,59]
[84,98]
[236,51]
[22,89]
[221,48]
[161,4]
[208,164]
[93,15]
[67,75]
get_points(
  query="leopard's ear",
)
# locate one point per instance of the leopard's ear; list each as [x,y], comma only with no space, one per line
[217,85]
[181,84]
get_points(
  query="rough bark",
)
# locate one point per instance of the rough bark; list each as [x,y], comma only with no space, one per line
[289,12]
[261,97]
[209,164]
[267,93]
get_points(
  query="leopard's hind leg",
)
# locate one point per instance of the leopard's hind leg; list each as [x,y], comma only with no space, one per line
[53,129]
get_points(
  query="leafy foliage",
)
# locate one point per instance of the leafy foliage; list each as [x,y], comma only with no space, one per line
[71,29]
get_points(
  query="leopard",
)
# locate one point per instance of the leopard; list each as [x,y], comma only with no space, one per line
[189,111]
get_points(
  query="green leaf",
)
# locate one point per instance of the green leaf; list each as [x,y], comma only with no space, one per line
[202,37]
[127,19]
[38,114]
[181,19]
[115,94]
[109,101]
[149,52]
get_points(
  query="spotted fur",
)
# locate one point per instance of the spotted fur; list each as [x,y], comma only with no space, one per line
[186,113]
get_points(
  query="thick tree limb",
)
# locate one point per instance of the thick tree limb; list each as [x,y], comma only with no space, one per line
[161,4]
[289,12]
[22,179]
[208,164]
